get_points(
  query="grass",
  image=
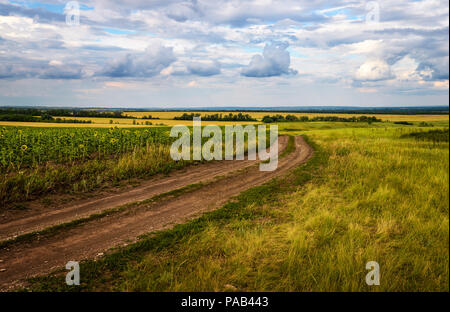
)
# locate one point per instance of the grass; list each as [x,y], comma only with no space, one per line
[294,128]
[289,148]
[113,265]
[439,135]
[368,194]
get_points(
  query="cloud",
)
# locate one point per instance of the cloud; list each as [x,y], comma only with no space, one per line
[181,12]
[204,69]
[430,72]
[51,70]
[192,84]
[441,84]
[275,61]
[7,9]
[140,65]
[374,70]
[119,85]
[61,72]
[406,52]
[6,71]
[367,90]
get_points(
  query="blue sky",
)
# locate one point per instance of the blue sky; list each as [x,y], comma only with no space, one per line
[203,53]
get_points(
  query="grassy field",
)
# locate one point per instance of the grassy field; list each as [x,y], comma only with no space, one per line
[295,128]
[370,193]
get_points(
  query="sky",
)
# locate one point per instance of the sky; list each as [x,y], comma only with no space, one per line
[215,53]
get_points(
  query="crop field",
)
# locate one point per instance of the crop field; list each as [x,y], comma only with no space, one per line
[369,191]
[167,119]
[101,123]
[260,115]
[119,122]
[35,161]
[30,147]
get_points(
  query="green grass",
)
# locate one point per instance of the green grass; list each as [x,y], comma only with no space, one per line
[368,194]
[289,148]
[299,127]
[438,135]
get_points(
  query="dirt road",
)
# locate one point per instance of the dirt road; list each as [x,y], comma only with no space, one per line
[38,257]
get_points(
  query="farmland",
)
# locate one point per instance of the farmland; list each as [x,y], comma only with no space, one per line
[37,161]
[30,147]
[225,155]
[371,191]
[137,119]
[117,122]
[260,115]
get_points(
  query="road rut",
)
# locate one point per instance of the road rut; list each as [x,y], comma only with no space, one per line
[38,257]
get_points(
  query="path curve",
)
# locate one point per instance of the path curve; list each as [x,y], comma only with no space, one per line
[38,257]
[37,219]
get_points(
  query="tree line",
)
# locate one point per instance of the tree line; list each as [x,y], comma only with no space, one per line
[43,118]
[216,117]
[63,113]
[48,115]
[293,118]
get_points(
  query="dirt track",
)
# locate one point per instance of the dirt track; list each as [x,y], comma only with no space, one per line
[24,260]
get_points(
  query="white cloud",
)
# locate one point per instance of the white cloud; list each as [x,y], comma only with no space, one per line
[221,41]
[374,70]
[204,69]
[55,63]
[274,61]
[141,65]
[441,85]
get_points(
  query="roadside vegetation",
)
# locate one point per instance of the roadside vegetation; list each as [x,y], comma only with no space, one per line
[368,194]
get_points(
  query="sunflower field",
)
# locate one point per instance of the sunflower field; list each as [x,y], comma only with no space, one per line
[30,147]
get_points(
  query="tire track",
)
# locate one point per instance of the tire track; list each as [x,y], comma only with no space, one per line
[86,241]
[41,219]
